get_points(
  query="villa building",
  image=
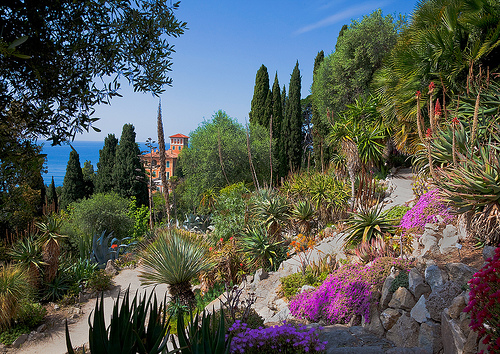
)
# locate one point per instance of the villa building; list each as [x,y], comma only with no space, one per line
[151,160]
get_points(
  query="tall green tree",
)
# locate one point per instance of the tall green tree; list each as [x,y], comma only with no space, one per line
[73,186]
[52,195]
[260,104]
[88,178]
[129,175]
[104,182]
[53,52]
[292,127]
[347,73]
[279,151]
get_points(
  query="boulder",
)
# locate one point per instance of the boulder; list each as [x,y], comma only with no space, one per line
[374,325]
[470,346]
[434,276]
[448,243]
[405,332]
[280,316]
[457,306]
[429,240]
[306,288]
[402,299]
[453,338]
[417,284]
[386,295]
[419,312]
[460,273]
[260,274]
[440,298]
[20,340]
[389,317]
[111,268]
[429,336]
[488,252]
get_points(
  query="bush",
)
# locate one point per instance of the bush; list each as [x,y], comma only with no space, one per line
[400,281]
[285,338]
[484,303]
[396,213]
[100,281]
[30,314]
[229,215]
[291,284]
[8,336]
[14,286]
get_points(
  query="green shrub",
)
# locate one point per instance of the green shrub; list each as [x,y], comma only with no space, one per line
[30,313]
[8,336]
[291,284]
[401,280]
[229,215]
[396,213]
[99,281]
[57,288]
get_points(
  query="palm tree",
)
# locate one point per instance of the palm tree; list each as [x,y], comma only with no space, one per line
[175,258]
[51,249]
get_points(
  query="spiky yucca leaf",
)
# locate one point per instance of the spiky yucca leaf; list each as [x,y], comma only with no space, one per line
[14,286]
[367,224]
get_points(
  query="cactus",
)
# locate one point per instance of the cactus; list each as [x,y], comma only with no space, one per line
[103,250]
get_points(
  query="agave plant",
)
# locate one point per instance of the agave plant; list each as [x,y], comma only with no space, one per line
[103,250]
[14,286]
[50,241]
[273,213]
[302,214]
[367,224]
[175,258]
[28,254]
[258,246]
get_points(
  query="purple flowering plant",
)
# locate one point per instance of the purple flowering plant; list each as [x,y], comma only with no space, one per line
[426,210]
[277,339]
[346,293]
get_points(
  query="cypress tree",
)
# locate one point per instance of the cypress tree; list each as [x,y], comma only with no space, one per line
[258,109]
[104,182]
[52,195]
[294,121]
[73,187]
[321,151]
[88,178]
[279,151]
[129,174]
[282,157]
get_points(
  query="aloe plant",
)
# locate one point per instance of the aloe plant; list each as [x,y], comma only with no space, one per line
[367,224]
[103,250]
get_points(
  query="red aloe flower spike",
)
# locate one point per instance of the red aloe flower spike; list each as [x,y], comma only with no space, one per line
[431,87]
[418,94]
[428,134]
[455,120]
[437,109]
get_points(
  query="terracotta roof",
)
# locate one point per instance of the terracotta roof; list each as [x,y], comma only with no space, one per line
[178,136]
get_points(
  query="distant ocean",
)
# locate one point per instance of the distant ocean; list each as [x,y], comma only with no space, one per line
[58,156]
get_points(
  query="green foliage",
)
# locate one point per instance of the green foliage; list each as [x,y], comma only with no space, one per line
[228,218]
[99,280]
[7,337]
[14,286]
[57,288]
[261,91]
[128,172]
[401,280]
[291,127]
[140,215]
[367,224]
[52,197]
[88,178]
[396,213]
[30,313]
[80,270]
[104,182]
[272,211]
[28,253]
[291,284]
[73,186]
[259,248]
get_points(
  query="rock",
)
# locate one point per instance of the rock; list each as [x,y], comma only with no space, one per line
[111,268]
[460,273]
[419,312]
[408,351]
[434,276]
[56,307]
[405,332]
[306,288]
[260,274]
[456,307]
[20,340]
[280,316]
[374,325]
[464,323]
[386,295]
[488,252]
[470,346]
[429,241]
[453,338]
[402,299]
[417,284]
[430,226]
[389,317]
[448,243]
[429,337]
[41,328]
[440,298]
[337,337]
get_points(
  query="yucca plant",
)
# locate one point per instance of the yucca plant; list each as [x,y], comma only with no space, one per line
[367,224]
[14,286]
[50,240]
[175,258]
[302,214]
[27,253]
[273,213]
[257,245]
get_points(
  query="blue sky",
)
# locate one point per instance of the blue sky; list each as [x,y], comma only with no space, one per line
[216,60]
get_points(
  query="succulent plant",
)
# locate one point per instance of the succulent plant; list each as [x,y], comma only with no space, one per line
[103,250]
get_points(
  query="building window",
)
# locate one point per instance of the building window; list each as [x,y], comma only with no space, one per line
[173,147]
[168,164]
[154,173]
[168,175]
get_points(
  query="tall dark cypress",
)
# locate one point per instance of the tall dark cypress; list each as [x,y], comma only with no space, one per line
[282,157]
[294,121]
[88,178]
[279,152]
[163,173]
[258,109]
[104,182]
[129,174]
[73,186]
[52,195]
[320,129]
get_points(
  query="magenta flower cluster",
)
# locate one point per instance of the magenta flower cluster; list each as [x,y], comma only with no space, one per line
[337,300]
[428,208]
[484,303]
[276,339]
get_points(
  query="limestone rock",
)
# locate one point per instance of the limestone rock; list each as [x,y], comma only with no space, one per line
[389,317]
[402,299]
[417,284]
[374,325]
[405,332]
[460,273]
[470,346]
[419,312]
[111,268]
[429,336]
[306,288]
[453,338]
[434,276]
[279,316]
[429,240]
[440,298]
[386,295]
[260,274]
[456,307]
[448,243]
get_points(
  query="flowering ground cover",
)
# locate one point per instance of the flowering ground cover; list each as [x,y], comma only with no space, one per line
[345,293]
